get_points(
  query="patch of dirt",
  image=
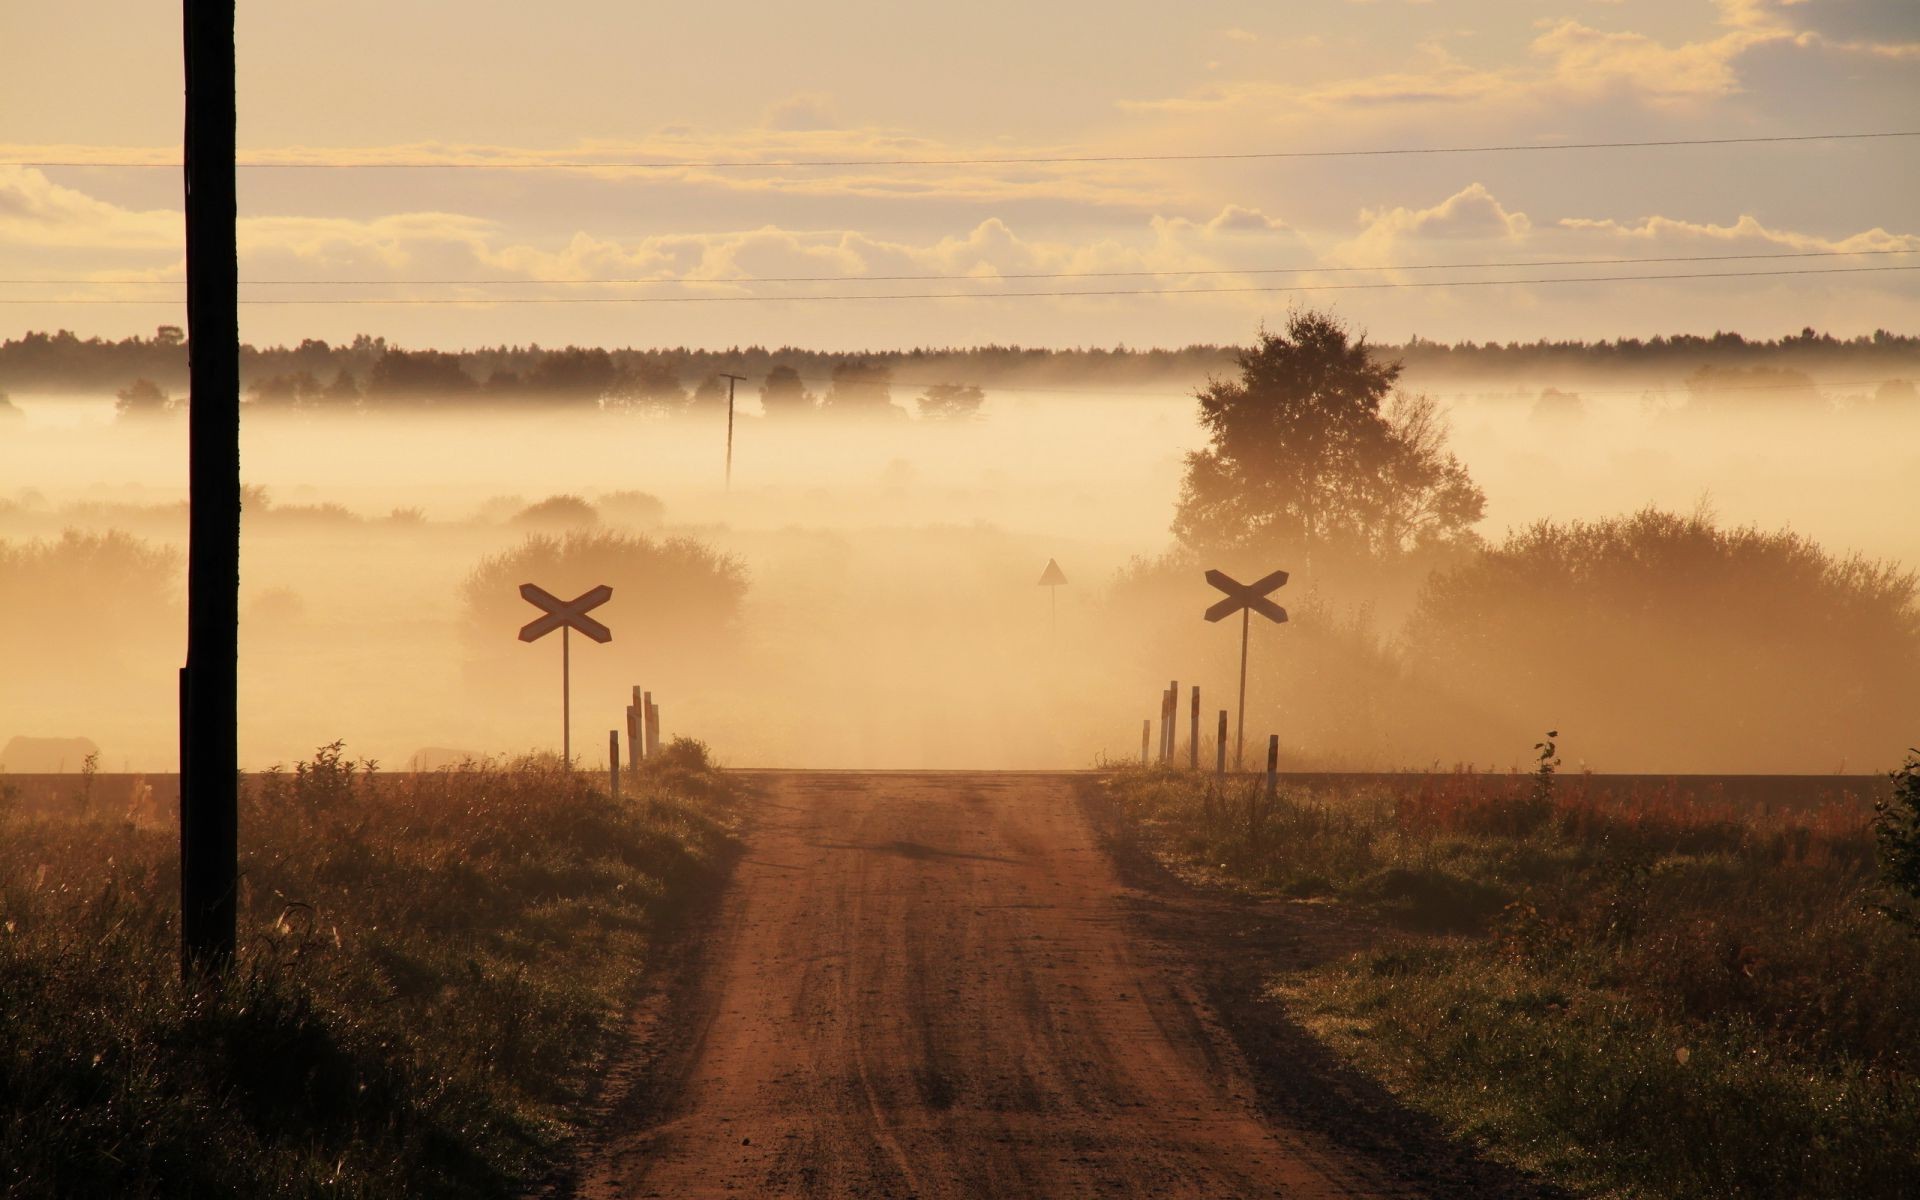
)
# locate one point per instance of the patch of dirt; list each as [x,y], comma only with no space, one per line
[943,985]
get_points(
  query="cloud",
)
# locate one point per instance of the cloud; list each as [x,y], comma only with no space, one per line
[1746,234]
[1470,214]
[805,112]
[35,211]
[1571,64]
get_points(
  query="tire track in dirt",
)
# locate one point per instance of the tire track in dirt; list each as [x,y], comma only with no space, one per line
[933,986]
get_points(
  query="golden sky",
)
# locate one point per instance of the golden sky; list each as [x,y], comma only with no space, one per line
[355,82]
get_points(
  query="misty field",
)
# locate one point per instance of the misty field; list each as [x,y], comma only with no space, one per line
[1656,992]
[431,966]
[888,571]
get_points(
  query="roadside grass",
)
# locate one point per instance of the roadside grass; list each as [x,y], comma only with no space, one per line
[1655,994]
[431,967]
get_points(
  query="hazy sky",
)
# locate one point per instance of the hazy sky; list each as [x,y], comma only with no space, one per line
[355,81]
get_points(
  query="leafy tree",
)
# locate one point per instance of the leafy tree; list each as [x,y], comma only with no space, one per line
[784,394]
[861,387]
[1303,458]
[296,389]
[140,400]
[575,374]
[709,396]
[1735,390]
[951,402]
[1896,395]
[344,391]
[649,383]
[420,375]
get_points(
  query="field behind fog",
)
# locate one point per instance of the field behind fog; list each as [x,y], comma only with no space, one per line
[891,617]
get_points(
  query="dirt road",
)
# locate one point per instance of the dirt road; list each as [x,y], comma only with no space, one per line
[930,985]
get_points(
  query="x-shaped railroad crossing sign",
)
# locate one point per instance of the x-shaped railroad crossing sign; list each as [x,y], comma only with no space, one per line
[1247,595]
[563,613]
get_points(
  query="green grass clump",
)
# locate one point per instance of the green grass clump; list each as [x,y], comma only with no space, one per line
[430,967]
[1650,994]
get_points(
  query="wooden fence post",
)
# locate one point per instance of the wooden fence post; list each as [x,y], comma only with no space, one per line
[636,744]
[653,727]
[1273,765]
[1193,750]
[613,763]
[1146,732]
[1220,749]
[1170,714]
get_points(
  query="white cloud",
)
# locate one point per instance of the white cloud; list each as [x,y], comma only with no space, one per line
[1472,214]
[805,112]
[35,211]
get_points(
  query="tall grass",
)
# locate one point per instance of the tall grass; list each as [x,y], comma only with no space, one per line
[430,968]
[1657,993]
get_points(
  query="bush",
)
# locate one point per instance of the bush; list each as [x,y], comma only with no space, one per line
[1676,644]
[1896,830]
[84,595]
[558,512]
[678,587]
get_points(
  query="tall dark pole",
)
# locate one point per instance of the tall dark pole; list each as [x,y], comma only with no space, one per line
[209,743]
[566,695]
[731,380]
[1240,723]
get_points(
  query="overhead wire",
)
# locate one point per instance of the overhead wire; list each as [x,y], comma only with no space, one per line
[539,164]
[698,281]
[840,297]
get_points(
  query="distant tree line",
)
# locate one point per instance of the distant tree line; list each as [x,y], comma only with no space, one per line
[370,371]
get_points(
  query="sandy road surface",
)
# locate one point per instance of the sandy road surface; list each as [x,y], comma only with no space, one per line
[928,985]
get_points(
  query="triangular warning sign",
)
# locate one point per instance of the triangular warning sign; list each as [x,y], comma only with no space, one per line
[1053,576]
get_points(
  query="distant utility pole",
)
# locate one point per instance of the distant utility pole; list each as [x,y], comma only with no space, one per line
[731,380]
[209,698]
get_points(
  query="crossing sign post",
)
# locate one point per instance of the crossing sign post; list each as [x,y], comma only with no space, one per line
[1245,599]
[566,616]
[1051,579]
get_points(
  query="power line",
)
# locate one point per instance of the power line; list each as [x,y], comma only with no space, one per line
[1008,161]
[691,281]
[390,301]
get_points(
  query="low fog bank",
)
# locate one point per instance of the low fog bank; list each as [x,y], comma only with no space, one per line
[887,612]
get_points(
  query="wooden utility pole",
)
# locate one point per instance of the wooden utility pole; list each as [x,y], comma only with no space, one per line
[209,698]
[731,380]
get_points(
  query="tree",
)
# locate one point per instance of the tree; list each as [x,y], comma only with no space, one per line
[295,389]
[784,394]
[140,400]
[576,375]
[650,383]
[1303,458]
[951,402]
[419,375]
[709,396]
[861,388]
